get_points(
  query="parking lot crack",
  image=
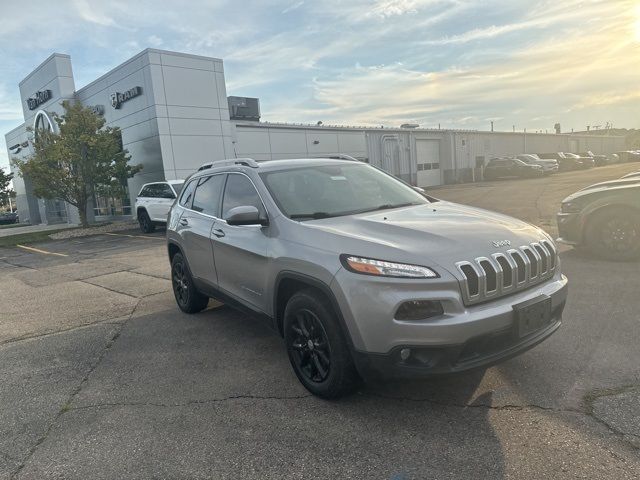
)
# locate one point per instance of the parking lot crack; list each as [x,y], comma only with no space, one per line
[505,407]
[229,398]
[592,397]
[67,405]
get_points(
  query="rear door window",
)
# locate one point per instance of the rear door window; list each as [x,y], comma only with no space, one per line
[207,195]
[164,191]
[187,194]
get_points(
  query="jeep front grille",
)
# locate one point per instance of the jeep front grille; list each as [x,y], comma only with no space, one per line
[504,273]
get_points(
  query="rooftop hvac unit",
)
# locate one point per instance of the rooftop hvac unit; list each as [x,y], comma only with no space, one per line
[244,108]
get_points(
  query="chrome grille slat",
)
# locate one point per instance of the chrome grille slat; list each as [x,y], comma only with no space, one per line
[533,263]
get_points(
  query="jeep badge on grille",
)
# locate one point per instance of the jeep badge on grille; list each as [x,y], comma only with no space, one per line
[501,243]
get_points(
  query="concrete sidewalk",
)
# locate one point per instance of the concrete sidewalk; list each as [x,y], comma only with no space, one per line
[8,232]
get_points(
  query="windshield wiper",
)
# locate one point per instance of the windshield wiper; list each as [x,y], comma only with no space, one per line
[389,206]
[314,215]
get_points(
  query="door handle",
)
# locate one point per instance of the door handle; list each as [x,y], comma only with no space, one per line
[218,232]
[184,221]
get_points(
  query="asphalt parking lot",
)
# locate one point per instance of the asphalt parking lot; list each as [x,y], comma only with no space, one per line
[101,376]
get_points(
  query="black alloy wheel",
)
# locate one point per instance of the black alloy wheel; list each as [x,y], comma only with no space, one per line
[312,353]
[146,225]
[188,298]
[615,235]
[317,347]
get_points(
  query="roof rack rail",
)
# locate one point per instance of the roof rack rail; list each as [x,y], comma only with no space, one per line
[247,162]
[338,156]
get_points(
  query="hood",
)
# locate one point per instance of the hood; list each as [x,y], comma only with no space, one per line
[443,231]
[614,185]
[620,182]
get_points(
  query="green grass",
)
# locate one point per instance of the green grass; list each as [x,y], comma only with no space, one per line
[29,238]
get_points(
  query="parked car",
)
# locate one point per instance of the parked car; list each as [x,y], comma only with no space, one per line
[629,156]
[599,160]
[153,203]
[566,162]
[605,218]
[360,274]
[613,158]
[549,166]
[8,218]
[632,175]
[587,162]
[505,167]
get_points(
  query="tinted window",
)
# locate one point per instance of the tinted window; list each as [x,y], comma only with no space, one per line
[240,192]
[187,194]
[154,190]
[145,191]
[207,196]
[164,191]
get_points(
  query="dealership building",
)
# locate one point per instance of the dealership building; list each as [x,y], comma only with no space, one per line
[174,114]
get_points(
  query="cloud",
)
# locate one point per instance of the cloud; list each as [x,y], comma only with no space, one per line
[92,13]
[454,62]
[293,6]
[154,41]
[391,8]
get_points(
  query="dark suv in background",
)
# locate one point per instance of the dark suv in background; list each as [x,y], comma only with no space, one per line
[506,167]
[605,218]
[569,161]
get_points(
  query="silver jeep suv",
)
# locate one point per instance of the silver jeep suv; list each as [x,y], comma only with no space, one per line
[360,273]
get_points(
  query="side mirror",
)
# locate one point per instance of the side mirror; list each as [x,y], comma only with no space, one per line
[420,190]
[246,215]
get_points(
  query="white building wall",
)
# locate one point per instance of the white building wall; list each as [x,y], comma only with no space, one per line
[269,141]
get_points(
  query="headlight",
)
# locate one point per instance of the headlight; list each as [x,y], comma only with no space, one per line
[382,268]
[570,207]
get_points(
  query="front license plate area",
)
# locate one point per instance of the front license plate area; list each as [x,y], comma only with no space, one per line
[532,315]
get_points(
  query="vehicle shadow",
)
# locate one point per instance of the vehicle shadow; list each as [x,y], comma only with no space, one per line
[403,429]
[445,423]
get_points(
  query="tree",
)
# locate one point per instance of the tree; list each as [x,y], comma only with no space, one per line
[6,191]
[83,158]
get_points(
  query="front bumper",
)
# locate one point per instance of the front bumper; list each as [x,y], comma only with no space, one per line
[569,228]
[465,337]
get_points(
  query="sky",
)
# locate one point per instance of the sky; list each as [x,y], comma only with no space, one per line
[453,63]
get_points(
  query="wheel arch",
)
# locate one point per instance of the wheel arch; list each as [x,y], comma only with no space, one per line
[592,215]
[288,283]
[172,249]
[140,210]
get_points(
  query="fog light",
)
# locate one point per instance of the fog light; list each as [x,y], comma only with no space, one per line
[405,353]
[419,310]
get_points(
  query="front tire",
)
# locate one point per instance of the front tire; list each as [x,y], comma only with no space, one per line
[614,234]
[316,346]
[188,298]
[146,225]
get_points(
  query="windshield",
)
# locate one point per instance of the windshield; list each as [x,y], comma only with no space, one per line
[335,190]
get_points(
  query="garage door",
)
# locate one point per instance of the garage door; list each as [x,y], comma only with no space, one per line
[428,158]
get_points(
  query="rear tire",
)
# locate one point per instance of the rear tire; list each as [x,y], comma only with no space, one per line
[146,225]
[614,234]
[188,298]
[316,346]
